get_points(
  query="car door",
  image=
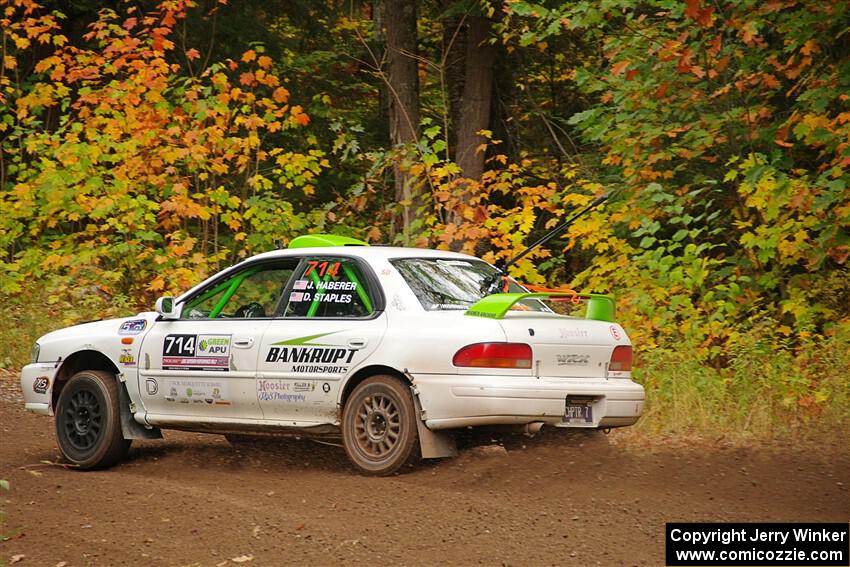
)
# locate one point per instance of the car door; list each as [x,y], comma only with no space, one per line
[330,321]
[204,364]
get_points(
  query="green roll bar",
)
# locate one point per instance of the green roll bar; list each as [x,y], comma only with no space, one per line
[231,289]
[352,277]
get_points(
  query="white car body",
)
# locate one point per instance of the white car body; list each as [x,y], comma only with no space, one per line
[282,374]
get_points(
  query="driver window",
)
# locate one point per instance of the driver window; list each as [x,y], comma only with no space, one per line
[329,288]
[249,294]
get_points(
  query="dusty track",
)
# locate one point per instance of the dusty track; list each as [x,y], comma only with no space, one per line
[193,500]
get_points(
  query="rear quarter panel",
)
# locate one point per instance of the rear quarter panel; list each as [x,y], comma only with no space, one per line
[419,341]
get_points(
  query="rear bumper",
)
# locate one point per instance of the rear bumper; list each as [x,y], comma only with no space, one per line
[451,401]
[37,386]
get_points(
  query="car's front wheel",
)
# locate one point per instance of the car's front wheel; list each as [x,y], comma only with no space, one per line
[88,421]
[379,426]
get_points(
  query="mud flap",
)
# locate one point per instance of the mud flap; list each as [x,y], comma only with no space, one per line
[130,428]
[432,444]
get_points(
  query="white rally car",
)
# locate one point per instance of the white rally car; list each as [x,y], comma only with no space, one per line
[391,347]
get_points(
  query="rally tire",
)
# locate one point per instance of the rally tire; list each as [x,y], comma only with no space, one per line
[379,426]
[88,421]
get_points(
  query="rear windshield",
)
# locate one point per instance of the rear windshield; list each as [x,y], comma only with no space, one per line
[443,284]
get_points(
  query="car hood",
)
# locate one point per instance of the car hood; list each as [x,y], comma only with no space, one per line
[94,329]
[103,336]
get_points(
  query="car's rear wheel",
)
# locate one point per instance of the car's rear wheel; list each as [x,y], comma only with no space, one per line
[88,421]
[379,426]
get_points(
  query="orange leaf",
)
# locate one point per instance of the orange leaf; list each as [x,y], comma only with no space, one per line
[618,68]
[696,12]
[840,253]
[299,116]
[280,95]
[264,62]
[692,8]
[192,54]
[249,55]
[809,48]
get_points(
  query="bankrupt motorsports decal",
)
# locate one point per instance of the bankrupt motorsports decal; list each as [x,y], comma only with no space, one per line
[303,356]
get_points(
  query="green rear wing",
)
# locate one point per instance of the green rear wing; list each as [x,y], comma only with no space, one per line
[599,307]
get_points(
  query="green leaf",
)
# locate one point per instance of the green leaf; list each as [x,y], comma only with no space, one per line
[432,132]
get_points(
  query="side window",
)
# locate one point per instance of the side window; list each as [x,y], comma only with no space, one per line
[328,287]
[250,293]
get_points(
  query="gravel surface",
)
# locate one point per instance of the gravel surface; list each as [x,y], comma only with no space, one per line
[193,499]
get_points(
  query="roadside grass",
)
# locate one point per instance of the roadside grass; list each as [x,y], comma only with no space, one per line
[26,317]
[761,392]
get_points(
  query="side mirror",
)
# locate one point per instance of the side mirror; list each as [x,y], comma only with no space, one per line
[165,307]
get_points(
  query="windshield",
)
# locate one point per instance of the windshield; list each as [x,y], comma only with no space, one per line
[443,284]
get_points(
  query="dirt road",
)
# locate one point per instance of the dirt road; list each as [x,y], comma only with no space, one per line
[193,500]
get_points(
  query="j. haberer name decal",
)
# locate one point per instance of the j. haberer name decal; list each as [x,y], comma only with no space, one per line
[310,354]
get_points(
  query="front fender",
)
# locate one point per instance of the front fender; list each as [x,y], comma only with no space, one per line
[37,381]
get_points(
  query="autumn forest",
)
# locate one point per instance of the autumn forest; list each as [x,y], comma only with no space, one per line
[146,145]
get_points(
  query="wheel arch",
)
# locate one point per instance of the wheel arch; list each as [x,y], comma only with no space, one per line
[366,372]
[95,360]
[81,360]
[432,444]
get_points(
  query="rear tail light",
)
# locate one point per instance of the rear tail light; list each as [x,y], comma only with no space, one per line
[494,355]
[621,359]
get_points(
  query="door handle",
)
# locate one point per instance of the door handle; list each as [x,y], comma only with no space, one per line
[357,343]
[243,342]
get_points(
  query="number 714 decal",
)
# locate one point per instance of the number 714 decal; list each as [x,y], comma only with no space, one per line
[322,268]
[196,352]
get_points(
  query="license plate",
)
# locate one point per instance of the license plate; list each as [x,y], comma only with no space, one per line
[578,411]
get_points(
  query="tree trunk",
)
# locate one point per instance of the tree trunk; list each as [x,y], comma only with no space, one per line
[403,83]
[477,95]
[454,67]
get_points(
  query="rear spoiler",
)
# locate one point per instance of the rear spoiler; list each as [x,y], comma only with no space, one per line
[599,307]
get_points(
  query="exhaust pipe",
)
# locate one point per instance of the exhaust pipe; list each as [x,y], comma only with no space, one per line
[532,429]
